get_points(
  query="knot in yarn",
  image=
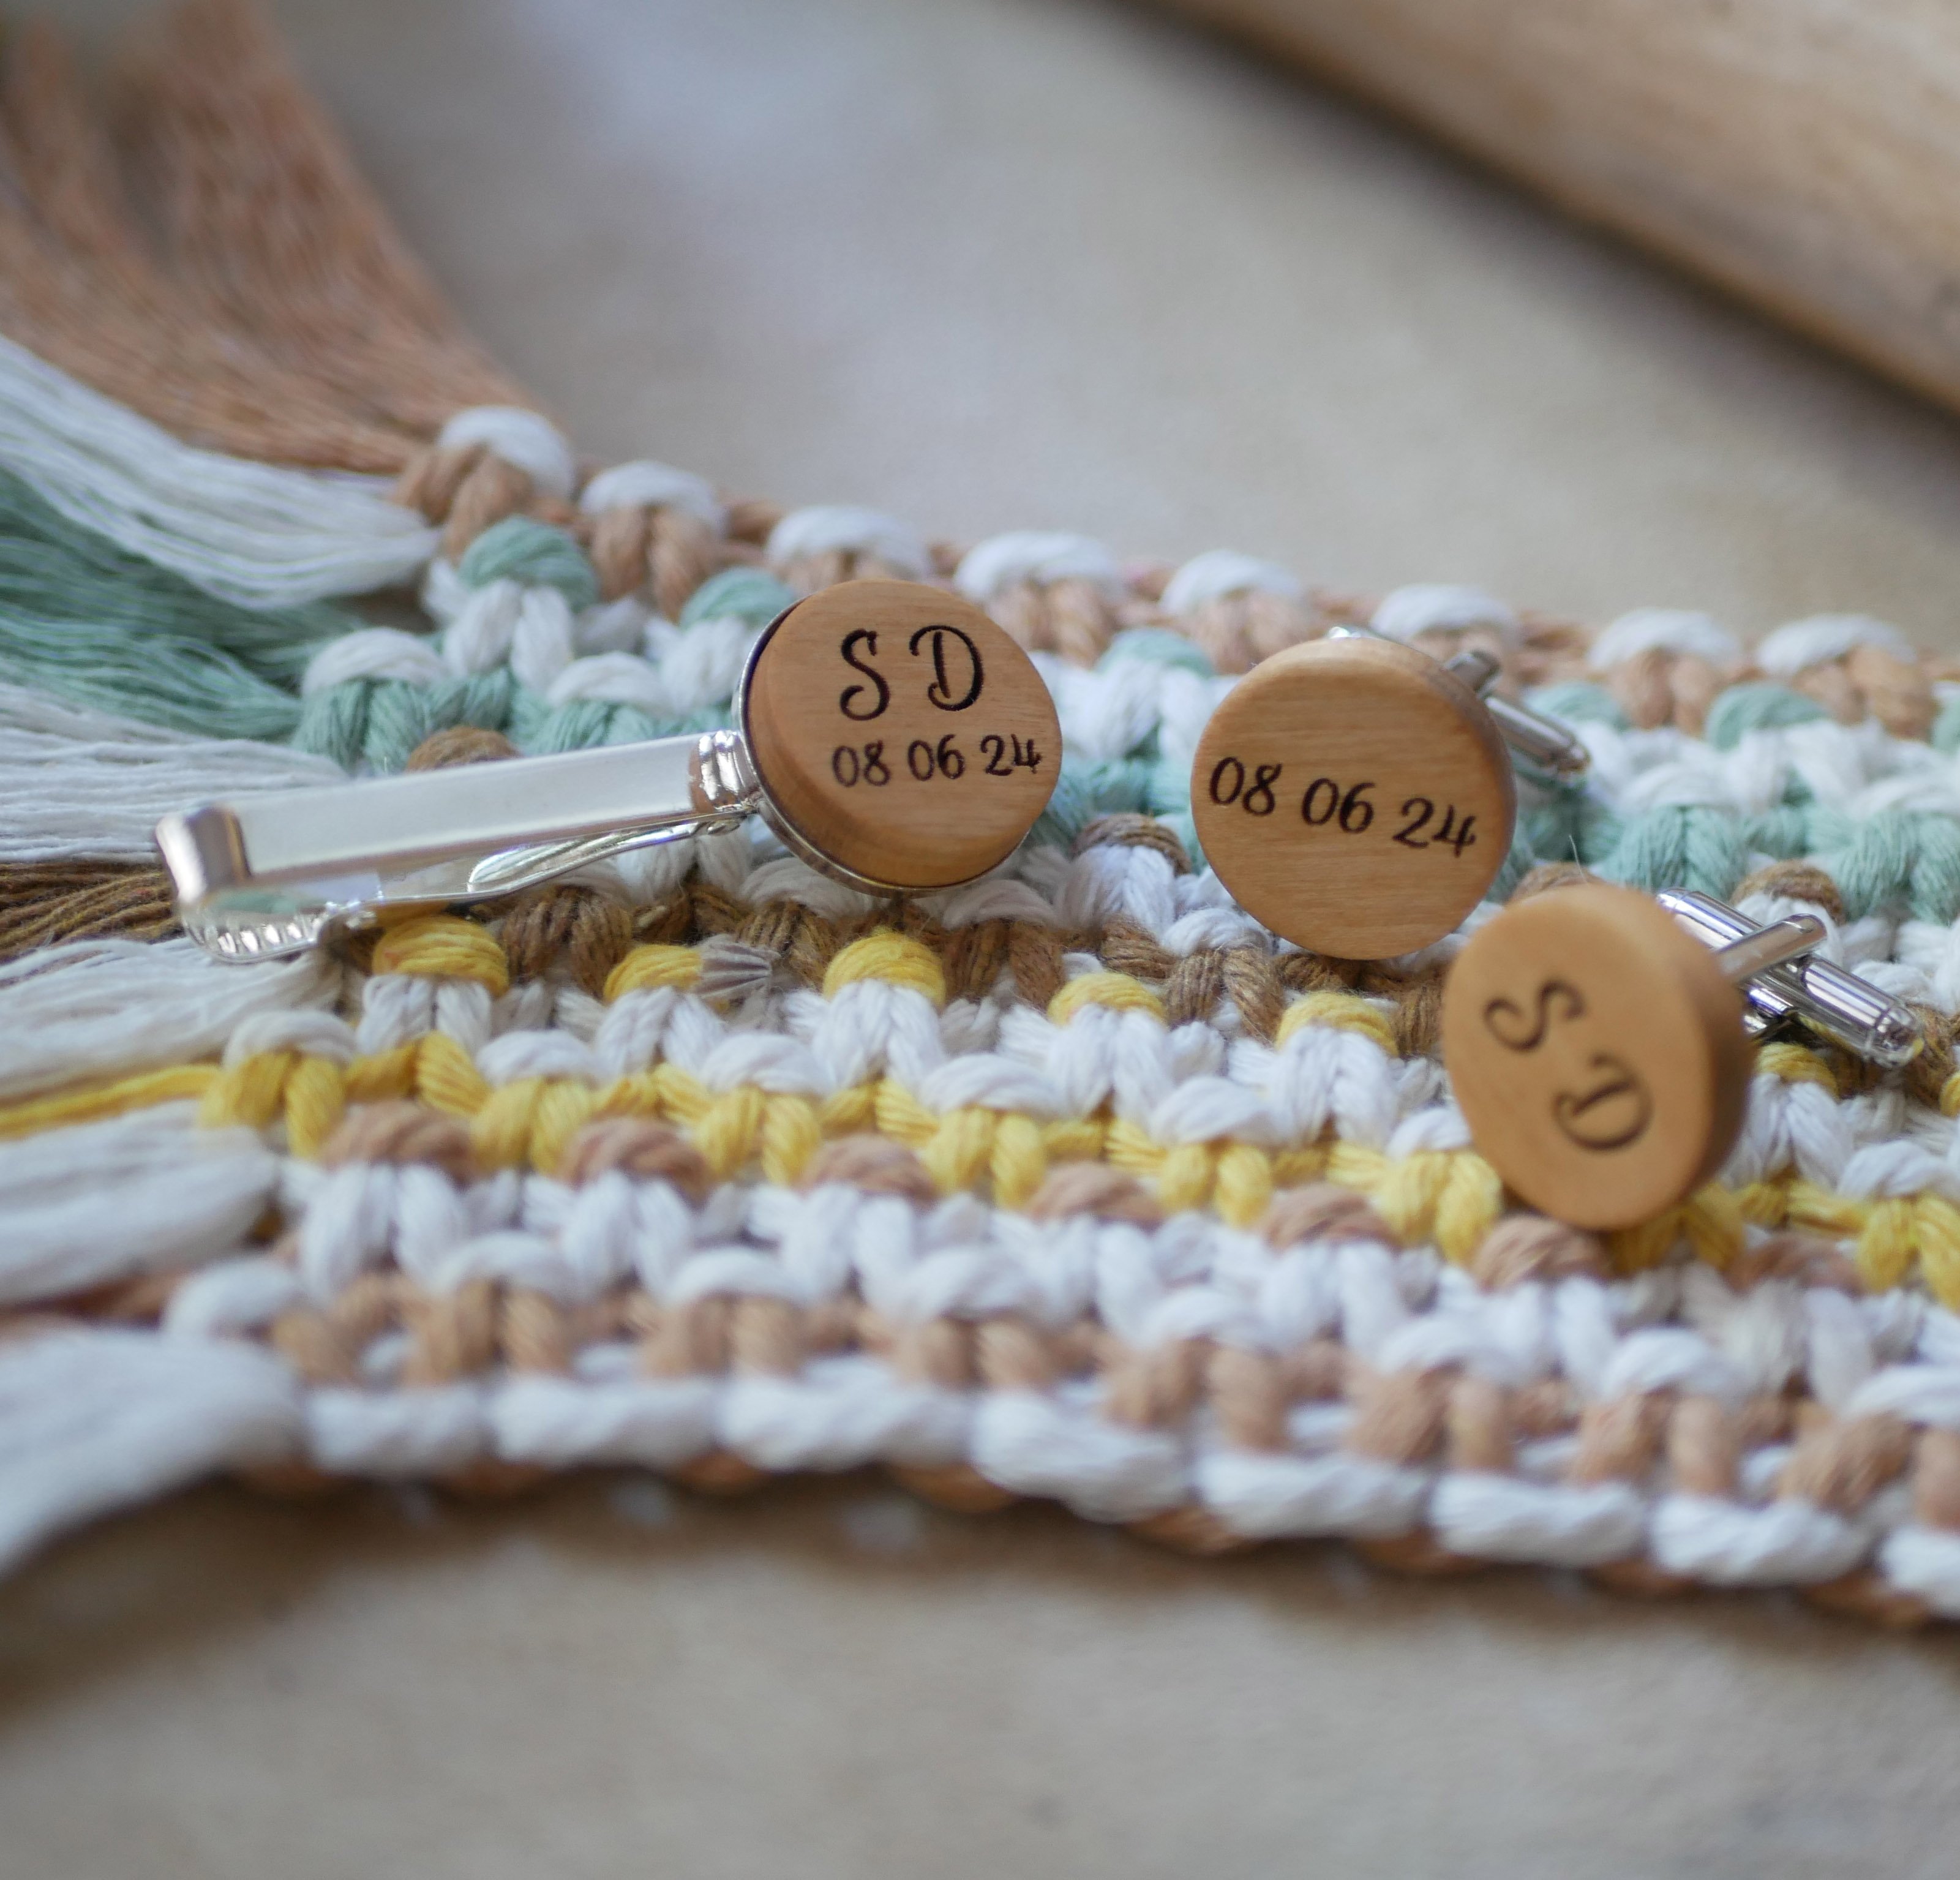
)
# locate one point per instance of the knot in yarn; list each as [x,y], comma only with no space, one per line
[892,958]
[1156,646]
[444,947]
[1757,706]
[1681,846]
[646,967]
[1116,991]
[1902,855]
[534,555]
[746,594]
[1579,701]
[1340,1011]
[1795,1063]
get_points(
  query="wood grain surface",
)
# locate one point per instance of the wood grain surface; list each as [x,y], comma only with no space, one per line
[1354,796]
[1598,1053]
[1804,154]
[901,733]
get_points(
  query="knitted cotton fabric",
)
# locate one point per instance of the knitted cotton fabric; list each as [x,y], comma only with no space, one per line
[1073,1183]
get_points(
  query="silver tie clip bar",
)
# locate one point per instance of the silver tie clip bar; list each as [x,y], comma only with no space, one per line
[892,735]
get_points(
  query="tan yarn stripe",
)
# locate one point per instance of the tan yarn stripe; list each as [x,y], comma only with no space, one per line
[42,903]
[270,228]
[283,319]
[79,287]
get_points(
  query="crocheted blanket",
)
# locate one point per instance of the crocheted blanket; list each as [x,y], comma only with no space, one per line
[1072,1183]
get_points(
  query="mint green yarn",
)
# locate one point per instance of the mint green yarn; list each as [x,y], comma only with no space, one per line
[1518,862]
[1167,787]
[1945,736]
[56,575]
[1579,701]
[1567,826]
[1783,833]
[160,677]
[376,724]
[81,618]
[1688,846]
[1901,859]
[1084,791]
[746,594]
[1158,646]
[1757,706]
[586,722]
[519,548]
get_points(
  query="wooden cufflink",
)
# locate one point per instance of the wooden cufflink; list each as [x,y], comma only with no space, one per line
[1356,796]
[1599,1042]
[892,735]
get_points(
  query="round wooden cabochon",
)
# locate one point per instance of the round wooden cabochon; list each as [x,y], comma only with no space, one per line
[1598,1053]
[1354,796]
[901,734]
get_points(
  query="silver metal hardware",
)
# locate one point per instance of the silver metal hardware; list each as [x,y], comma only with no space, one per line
[1779,981]
[267,875]
[271,875]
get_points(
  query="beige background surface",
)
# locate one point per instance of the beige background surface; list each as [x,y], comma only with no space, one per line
[991,264]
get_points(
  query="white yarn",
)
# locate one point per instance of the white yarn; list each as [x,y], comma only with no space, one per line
[1040,556]
[91,1421]
[233,1299]
[1672,630]
[1426,607]
[1818,637]
[843,1412]
[1925,1561]
[1498,1517]
[1730,1545]
[1038,1444]
[1218,572]
[76,783]
[183,1195]
[396,1435]
[253,533]
[97,1008]
[644,484]
[829,528]
[556,1423]
[1285,1496]
[373,653]
[533,443]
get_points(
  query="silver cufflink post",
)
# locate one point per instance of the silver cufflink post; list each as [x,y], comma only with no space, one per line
[1780,979]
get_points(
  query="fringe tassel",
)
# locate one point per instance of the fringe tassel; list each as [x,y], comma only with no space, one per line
[82,784]
[44,902]
[93,1420]
[276,315]
[95,1009]
[248,532]
[184,1197]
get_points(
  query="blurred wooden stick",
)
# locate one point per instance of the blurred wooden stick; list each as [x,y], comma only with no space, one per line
[1804,154]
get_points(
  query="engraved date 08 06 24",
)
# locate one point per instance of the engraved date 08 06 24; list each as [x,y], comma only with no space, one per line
[853,764]
[1325,802]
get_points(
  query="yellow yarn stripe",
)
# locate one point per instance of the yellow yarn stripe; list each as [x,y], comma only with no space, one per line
[141,1091]
[447,947]
[1452,1198]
